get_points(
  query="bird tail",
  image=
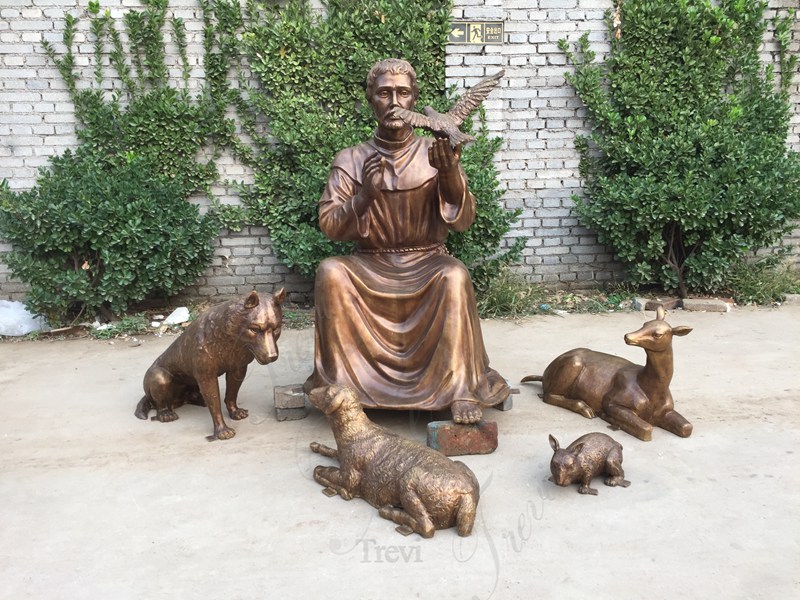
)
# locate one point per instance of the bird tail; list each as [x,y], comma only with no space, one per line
[460,138]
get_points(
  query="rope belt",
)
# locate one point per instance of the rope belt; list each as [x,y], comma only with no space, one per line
[438,248]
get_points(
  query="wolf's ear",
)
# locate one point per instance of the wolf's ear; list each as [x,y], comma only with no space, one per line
[279,296]
[252,300]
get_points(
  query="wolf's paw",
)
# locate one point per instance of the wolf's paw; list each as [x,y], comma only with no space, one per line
[166,415]
[223,433]
[237,414]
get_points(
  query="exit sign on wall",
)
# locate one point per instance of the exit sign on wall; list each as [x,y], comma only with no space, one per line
[476,32]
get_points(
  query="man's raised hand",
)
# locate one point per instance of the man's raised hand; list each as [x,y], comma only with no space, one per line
[372,181]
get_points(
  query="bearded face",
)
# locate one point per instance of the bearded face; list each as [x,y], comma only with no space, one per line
[390,91]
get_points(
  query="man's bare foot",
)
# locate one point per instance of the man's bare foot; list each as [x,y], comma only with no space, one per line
[466,412]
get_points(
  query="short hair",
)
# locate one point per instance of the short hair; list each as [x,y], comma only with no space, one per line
[394,66]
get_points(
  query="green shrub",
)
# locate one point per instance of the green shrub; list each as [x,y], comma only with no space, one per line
[128,325]
[110,224]
[91,237]
[311,70]
[145,115]
[477,247]
[112,219]
[510,295]
[763,281]
[298,319]
[686,168]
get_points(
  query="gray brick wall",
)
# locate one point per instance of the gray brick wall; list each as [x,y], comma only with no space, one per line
[538,116]
[243,261]
[534,110]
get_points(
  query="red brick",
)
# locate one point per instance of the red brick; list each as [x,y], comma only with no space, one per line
[453,439]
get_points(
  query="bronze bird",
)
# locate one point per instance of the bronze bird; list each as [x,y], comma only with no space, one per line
[446,125]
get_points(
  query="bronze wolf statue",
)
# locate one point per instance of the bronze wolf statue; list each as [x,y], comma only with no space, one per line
[224,339]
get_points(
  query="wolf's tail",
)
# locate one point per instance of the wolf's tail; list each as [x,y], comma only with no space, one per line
[143,408]
[528,378]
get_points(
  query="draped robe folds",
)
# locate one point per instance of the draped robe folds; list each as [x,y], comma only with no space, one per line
[397,320]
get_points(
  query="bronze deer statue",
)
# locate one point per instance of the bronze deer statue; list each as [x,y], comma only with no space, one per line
[629,396]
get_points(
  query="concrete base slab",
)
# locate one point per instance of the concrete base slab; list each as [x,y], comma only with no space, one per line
[506,404]
[668,304]
[98,504]
[706,305]
[791,300]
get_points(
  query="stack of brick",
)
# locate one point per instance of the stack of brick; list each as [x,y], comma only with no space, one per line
[290,403]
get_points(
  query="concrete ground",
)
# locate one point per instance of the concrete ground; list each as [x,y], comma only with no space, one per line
[97,504]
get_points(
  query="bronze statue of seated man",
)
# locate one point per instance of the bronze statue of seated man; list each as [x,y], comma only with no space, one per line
[397,319]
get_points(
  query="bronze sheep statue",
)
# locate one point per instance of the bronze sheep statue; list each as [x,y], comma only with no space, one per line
[412,485]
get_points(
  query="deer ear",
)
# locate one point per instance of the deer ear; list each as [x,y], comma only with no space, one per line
[660,313]
[553,443]
[681,330]
[252,300]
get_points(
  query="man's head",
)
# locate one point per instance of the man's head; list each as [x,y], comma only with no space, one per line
[394,66]
[391,83]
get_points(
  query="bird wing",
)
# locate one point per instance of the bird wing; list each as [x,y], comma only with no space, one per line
[414,119]
[471,99]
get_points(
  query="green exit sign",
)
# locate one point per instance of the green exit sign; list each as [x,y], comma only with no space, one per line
[476,32]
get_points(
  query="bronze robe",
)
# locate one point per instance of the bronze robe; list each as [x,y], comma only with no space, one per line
[397,320]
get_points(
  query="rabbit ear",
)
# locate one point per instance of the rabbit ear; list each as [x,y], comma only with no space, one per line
[553,443]
[577,449]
